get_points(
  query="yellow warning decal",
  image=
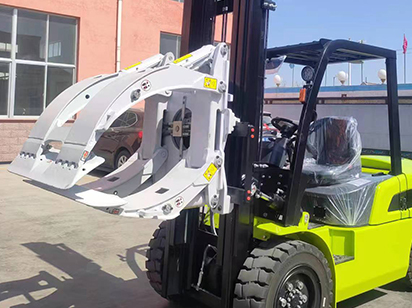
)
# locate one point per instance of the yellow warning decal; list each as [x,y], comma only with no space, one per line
[131,66]
[210,172]
[210,83]
[182,58]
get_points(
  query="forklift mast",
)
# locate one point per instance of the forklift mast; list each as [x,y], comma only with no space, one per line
[247,73]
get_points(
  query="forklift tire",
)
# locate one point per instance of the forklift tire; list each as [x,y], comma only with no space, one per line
[154,263]
[409,274]
[288,274]
[154,255]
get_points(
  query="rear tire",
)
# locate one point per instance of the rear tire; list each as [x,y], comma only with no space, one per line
[409,274]
[278,274]
[121,158]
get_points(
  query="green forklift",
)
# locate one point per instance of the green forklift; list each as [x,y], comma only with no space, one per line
[316,222]
[306,222]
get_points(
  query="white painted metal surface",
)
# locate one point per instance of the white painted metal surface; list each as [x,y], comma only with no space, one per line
[181,158]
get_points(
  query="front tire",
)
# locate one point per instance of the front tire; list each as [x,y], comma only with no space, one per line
[291,274]
[154,255]
[155,262]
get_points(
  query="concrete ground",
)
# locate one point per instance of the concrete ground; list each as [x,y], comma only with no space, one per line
[58,253]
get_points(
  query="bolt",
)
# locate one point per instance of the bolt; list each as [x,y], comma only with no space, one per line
[223,51]
[219,208]
[222,87]
[167,208]
[289,286]
[298,306]
[304,299]
[134,96]
[283,302]
[299,285]
[218,161]
[289,299]
[214,201]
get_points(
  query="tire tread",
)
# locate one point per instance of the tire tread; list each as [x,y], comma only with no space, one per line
[154,255]
[264,261]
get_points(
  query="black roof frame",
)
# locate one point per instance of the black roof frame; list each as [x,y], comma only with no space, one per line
[318,55]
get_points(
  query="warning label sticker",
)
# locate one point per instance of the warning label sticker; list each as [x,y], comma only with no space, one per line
[85,155]
[146,85]
[133,65]
[182,58]
[179,202]
[210,83]
[210,172]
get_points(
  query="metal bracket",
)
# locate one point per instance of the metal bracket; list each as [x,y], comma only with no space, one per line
[243,129]
[269,5]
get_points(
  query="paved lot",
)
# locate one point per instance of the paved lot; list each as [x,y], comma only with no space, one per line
[57,253]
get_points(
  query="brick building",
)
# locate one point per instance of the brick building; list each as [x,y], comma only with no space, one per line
[46,46]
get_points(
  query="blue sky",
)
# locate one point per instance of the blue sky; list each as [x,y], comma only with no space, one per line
[377,22]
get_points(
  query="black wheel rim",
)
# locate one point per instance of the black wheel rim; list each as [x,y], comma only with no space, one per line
[300,288]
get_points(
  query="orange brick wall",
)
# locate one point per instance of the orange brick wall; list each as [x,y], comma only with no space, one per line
[12,136]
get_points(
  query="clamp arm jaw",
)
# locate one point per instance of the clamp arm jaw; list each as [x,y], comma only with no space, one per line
[180,161]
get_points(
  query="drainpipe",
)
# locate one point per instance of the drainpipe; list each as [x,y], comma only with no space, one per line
[119,33]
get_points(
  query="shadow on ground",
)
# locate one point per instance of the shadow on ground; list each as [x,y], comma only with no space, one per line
[89,286]
[357,301]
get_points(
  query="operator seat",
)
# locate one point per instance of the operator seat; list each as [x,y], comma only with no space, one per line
[334,151]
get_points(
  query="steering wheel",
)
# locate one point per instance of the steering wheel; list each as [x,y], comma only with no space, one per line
[285,126]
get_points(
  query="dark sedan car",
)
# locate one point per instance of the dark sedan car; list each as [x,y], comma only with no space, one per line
[121,140]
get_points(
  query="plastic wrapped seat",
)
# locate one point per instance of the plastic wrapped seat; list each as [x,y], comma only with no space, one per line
[347,204]
[334,151]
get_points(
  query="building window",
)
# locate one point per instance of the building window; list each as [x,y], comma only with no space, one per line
[4,87]
[37,60]
[170,43]
[181,1]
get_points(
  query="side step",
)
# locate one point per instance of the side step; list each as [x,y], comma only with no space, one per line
[342,259]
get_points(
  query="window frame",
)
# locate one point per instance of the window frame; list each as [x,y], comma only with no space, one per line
[178,42]
[7,62]
[136,118]
[14,61]
[126,114]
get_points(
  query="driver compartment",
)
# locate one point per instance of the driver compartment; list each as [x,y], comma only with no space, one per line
[335,191]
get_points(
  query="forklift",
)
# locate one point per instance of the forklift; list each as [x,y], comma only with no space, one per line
[309,226]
